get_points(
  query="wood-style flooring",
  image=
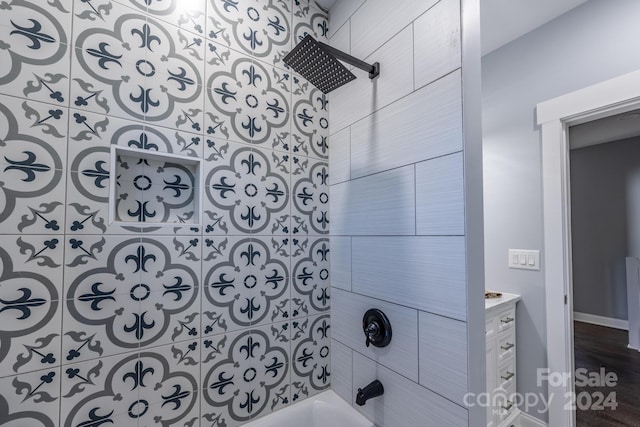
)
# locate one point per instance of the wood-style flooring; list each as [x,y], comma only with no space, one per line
[601,347]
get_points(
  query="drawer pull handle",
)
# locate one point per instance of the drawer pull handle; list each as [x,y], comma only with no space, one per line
[508,376]
[509,406]
[506,347]
[506,320]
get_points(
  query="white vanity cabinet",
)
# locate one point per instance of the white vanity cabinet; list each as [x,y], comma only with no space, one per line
[501,360]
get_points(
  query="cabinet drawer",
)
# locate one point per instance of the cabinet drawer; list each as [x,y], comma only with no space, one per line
[505,400]
[506,320]
[506,345]
[507,373]
[506,410]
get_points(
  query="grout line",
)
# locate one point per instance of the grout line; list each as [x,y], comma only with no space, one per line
[402,305]
[398,374]
[413,54]
[395,235]
[398,100]
[350,263]
[350,154]
[418,341]
[415,198]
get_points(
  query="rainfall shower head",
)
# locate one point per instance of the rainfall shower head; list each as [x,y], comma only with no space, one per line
[318,63]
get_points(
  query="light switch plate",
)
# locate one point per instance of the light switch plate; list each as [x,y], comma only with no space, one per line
[524,259]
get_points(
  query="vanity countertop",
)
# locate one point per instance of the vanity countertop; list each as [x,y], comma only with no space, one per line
[494,303]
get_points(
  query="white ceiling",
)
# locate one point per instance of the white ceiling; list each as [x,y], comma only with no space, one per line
[502,21]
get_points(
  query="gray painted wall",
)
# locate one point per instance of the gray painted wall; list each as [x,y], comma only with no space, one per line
[406,210]
[605,221]
[596,41]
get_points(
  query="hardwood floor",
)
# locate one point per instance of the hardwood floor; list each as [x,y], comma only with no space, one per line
[599,347]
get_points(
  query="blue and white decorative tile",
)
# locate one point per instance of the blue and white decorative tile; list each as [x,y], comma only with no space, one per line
[175,391]
[221,17]
[229,185]
[258,28]
[91,136]
[174,69]
[33,141]
[280,397]
[82,341]
[230,102]
[102,274]
[30,306]
[88,130]
[310,197]
[167,413]
[245,283]
[272,196]
[124,389]
[310,356]
[130,66]
[180,379]
[272,293]
[246,191]
[34,50]
[94,382]
[310,129]
[188,15]
[273,96]
[248,101]
[184,143]
[308,20]
[130,293]
[89,160]
[228,114]
[181,359]
[218,55]
[121,94]
[235,392]
[108,66]
[310,276]
[223,275]
[31,399]
[169,291]
[155,191]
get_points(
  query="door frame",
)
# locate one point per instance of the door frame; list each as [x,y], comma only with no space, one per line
[554,116]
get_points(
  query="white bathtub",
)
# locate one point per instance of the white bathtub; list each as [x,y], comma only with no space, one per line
[322,410]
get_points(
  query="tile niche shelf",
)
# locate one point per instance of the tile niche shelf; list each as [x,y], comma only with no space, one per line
[151,189]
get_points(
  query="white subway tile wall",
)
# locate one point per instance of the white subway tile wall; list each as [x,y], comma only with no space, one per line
[440,196]
[386,200]
[400,210]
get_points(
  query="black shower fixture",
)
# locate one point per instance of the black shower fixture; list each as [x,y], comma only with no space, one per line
[318,63]
[376,327]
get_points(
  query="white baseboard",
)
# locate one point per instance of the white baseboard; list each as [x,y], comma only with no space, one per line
[609,322]
[526,420]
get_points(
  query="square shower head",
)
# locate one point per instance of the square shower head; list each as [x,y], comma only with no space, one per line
[312,61]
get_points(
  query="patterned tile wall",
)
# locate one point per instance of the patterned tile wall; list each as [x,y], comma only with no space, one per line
[182,325]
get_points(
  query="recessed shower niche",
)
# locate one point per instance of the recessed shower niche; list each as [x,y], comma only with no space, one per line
[149,188]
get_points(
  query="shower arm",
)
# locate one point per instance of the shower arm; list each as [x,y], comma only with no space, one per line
[373,70]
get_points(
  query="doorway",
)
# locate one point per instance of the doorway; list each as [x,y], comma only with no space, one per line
[555,116]
[605,213]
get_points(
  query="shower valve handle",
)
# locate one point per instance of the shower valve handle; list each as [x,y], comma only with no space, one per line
[371,331]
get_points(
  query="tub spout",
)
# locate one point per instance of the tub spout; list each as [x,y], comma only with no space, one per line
[373,389]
